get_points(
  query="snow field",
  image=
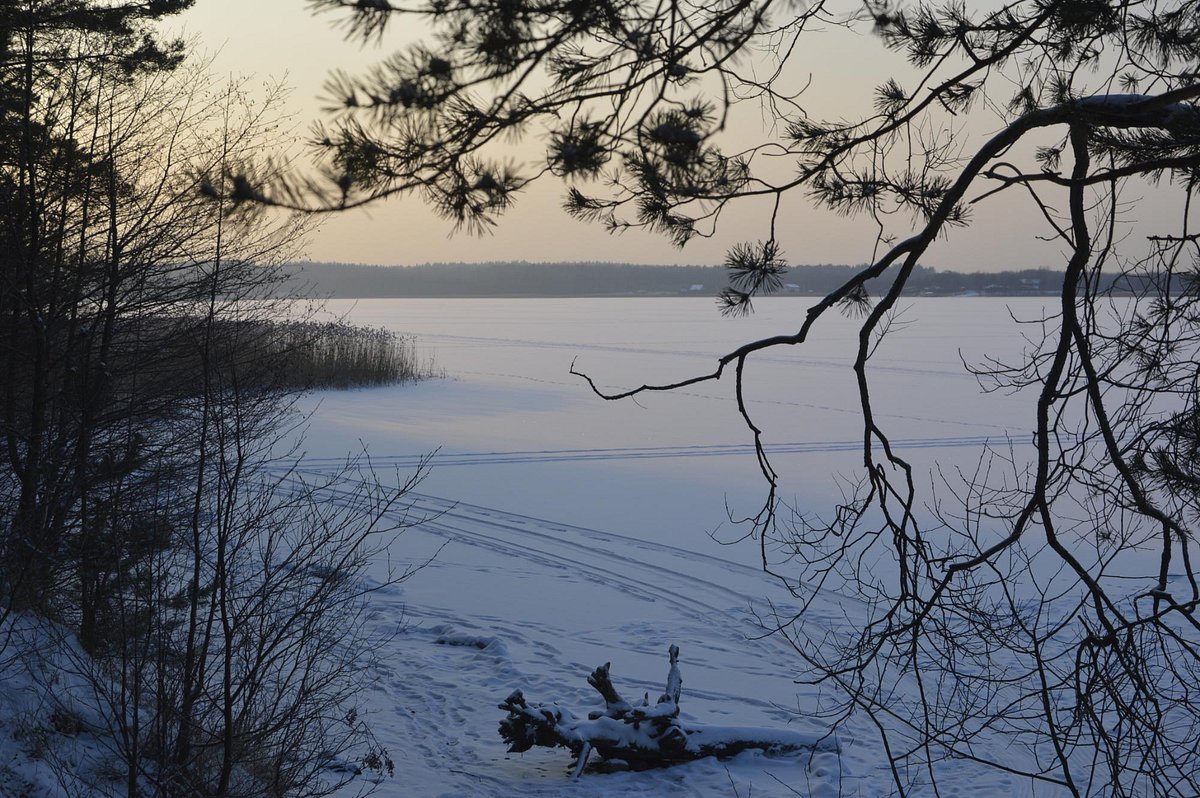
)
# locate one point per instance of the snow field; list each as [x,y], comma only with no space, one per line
[569,531]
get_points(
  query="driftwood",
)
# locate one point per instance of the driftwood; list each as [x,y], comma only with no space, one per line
[643,735]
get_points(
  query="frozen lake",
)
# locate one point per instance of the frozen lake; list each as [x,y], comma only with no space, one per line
[517,431]
[577,531]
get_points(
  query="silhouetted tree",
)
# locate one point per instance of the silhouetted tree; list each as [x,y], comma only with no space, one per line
[66,72]
[218,598]
[1022,614]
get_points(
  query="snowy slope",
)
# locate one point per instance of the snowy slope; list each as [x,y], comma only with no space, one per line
[54,736]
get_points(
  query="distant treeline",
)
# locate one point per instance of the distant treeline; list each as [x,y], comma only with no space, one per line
[523,279]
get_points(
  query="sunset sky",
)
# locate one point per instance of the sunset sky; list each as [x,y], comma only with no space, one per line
[283,39]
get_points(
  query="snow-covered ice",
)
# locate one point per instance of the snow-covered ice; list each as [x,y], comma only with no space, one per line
[564,532]
[570,531]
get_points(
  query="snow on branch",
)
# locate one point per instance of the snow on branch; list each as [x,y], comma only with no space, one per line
[636,737]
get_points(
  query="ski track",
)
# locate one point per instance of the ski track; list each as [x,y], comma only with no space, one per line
[546,543]
[445,729]
[750,402]
[476,342]
[653,452]
[436,692]
[682,579]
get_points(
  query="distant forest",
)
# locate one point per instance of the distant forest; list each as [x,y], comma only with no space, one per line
[523,279]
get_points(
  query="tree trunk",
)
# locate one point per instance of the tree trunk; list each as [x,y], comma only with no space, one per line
[642,736]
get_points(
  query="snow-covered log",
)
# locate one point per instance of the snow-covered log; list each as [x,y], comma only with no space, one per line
[640,736]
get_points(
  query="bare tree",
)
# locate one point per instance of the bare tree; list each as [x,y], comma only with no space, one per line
[61,253]
[1012,605]
[144,506]
[224,599]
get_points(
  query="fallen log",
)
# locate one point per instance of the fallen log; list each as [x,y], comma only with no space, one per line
[636,737]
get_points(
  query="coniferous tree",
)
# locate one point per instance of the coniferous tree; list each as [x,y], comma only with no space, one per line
[1013,615]
[140,401]
[62,260]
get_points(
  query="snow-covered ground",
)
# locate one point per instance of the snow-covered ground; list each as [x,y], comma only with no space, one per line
[570,531]
[566,531]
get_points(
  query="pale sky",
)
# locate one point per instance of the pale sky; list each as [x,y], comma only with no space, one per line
[283,39]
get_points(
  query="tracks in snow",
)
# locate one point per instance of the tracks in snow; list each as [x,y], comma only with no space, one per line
[694,584]
[696,591]
[705,602]
[648,452]
[804,359]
